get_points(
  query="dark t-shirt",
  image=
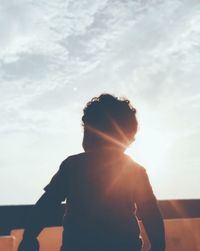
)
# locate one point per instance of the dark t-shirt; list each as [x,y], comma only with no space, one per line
[103,189]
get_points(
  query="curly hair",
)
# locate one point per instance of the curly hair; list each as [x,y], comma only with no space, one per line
[110,119]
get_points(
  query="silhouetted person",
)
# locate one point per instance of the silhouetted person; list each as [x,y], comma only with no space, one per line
[103,187]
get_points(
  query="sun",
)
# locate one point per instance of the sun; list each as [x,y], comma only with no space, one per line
[149,149]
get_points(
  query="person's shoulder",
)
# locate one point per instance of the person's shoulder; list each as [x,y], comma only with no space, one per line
[135,166]
[137,171]
[71,159]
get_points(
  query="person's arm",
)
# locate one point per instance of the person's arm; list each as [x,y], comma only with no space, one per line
[43,210]
[41,213]
[150,214]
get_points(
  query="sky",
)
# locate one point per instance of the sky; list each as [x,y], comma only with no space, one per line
[55,55]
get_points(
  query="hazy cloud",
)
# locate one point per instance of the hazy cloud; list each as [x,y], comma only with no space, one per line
[55,55]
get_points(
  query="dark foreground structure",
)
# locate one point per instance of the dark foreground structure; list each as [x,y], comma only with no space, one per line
[14,217]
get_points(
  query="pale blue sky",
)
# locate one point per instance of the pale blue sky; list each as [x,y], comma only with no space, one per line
[55,55]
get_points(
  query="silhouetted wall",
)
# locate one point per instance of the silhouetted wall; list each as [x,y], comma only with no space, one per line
[14,217]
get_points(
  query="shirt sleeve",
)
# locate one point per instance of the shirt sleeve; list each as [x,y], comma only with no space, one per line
[58,184]
[149,211]
[143,191]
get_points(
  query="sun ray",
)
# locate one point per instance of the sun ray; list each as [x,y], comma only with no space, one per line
[105,136]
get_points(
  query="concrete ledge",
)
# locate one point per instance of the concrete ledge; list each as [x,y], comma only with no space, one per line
[7,243]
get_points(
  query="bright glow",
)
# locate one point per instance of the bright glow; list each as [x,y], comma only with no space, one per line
[149,149]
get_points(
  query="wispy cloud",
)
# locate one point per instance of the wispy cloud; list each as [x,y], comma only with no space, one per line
[55,55]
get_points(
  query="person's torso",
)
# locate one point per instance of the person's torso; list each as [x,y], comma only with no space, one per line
[100,195]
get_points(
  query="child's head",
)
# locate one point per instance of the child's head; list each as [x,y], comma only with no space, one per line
[108,121]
